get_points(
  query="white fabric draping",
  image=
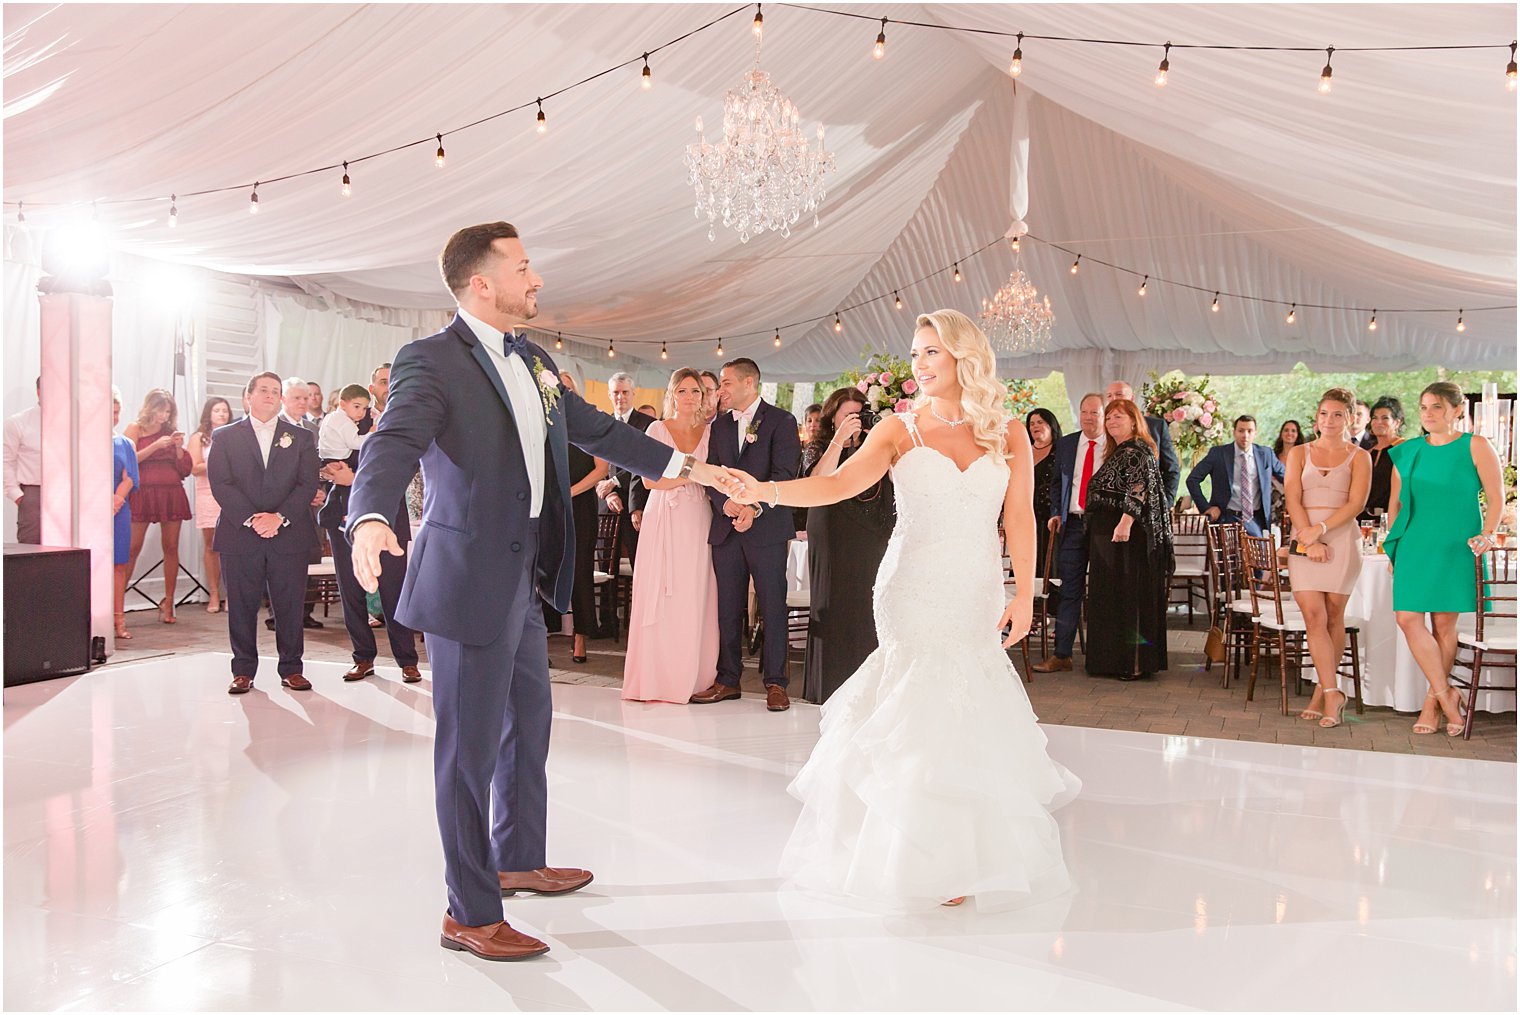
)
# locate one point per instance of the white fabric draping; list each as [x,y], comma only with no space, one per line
[1398,189]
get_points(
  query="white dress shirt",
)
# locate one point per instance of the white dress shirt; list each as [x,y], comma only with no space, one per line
[743,418]
[23,451]
[1076,472]
[265,434]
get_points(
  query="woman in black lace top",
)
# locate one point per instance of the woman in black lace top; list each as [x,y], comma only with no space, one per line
[1129,547]
[846,542]
[1044,430]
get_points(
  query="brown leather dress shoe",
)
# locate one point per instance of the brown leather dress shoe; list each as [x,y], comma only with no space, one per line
[411,674]
[717,692]
[296,682]
[1055,664]
[240,685]
[776,699]
[495,942]
[359,670]
[544,881]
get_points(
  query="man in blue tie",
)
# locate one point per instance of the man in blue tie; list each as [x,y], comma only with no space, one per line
[1240,480]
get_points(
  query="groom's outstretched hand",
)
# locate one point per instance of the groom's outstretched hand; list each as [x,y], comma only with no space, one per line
[712,475]
[742,488]
[370,540]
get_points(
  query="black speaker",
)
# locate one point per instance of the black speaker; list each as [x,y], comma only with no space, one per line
[47,612]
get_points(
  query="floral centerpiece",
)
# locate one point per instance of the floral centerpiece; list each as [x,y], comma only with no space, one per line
[886,382]
[1021,397]
[1190,409]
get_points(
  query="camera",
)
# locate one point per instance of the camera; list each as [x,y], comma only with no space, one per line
[868,418]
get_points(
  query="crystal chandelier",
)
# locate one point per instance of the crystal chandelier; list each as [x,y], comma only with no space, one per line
[764,174]
[1018,319]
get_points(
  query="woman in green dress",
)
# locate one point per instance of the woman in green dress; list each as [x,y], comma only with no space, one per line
[1436,527]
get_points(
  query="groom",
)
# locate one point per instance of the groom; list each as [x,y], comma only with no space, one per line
[483,411]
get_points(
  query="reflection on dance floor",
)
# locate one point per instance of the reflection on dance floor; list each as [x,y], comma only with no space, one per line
[167,846]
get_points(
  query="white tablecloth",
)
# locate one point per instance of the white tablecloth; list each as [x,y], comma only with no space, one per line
[797,566]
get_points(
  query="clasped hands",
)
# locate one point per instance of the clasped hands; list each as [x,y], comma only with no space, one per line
[266,523]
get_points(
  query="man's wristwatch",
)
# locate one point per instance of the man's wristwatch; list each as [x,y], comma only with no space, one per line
[687,466]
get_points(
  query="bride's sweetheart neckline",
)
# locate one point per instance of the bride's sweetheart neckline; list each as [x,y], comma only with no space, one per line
[924,447]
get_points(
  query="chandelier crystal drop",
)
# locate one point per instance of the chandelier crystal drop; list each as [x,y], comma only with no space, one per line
[1018,320]
[764,174]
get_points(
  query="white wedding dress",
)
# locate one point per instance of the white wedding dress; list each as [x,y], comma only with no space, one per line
[930,778]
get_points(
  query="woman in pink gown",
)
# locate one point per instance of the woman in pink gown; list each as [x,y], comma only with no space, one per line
[673,620]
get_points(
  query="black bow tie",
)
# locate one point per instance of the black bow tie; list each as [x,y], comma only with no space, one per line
[513,343]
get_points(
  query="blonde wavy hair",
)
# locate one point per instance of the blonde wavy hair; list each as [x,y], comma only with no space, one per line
[682,374]
[982,393]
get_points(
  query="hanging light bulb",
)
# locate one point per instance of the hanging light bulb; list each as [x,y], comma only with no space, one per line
[1460,325]
[543,123]
[1016,65]
[759,26]
[173,211]
[720,345]
[1324,75]
[838,324]
[777,340]
[957,271]
[1166,65]
[611,352]
[438,157]
[1014,244]
[897,300]
[1076,265]
[1293,313]
[1144,282]
[880,49]
[347,188]
[559,341]
[645,80]
[1512,70]
[1372,324]
[253,200]
[664,354]
[1215,307]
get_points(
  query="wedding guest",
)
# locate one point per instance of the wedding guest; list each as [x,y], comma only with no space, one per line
[159,498]
[1161,436]
[586,471]
[1129,548]
[1360,435]
[812,420]
[1436,524]
[332,398]
[263,473]
[748,541]
[1240,480]
[124,476]
[1044,430]
[295,398]
[215,413]
[673,622]
[342,431]
[617,492]
[1077,456]
[648,410]
[379,389]
[1387,432]
[1326,482]
[846,542]
[712,391]
[23,469]
[314,411]
[1289,435]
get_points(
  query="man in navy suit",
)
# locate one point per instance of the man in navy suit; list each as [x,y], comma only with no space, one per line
[483,411]
[263,474]
[749,542]
[1078,456]
[1240,475]
[1171,466]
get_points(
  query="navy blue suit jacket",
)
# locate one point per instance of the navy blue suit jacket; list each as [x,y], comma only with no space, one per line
[244,486]
[1219,466]
[1065,453]
[775,454]
[1171,465]
[448,409]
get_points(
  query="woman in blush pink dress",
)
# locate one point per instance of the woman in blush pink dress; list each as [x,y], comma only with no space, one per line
[673,620]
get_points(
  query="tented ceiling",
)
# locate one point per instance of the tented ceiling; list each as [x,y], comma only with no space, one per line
[1395,191]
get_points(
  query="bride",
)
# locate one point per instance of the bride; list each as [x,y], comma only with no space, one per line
[930,782]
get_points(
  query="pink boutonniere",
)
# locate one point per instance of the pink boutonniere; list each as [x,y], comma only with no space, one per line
[753,432]
[285,440]
[548,389]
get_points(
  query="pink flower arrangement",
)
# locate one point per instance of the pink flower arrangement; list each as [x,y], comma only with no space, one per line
[903,405]
[863,386]
[1206,419]
[1209,405]
[910,387]
[885,378]
[1191,410]
[1179,415]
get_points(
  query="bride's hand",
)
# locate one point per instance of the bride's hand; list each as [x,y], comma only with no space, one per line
[742,488]
[1019,615]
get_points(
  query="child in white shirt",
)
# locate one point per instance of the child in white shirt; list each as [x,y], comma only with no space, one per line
[343,431]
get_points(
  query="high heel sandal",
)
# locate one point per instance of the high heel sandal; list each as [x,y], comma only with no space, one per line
[169,617]
[1425,729]
[1453,729]
[214,606]
[1329,722]
[122,634]
[1310,713]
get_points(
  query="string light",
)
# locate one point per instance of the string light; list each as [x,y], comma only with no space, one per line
[838,324]
[1076,265]
[559,341]
[347,188]
[438,158]
[173,211]
[759,26]
[611,352]
[1016,65]
[543,123]
[645,80]
[897,299]
[1512,70]
[720,345]
[957,271]
[880,49]
[1324,75]
[664,353]
[253,200]
[1293,313]
[1014,244]
[1215,307]
[1372,324]
[1166,64]
[777,340]
[1460,325]
[1144,282]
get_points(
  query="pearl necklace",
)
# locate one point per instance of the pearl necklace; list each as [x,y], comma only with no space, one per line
[951,423]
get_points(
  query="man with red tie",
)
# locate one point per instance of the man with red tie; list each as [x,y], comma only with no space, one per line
[1078,456]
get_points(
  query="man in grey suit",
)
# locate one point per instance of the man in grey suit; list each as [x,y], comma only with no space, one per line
[1240,477]
[1171,468]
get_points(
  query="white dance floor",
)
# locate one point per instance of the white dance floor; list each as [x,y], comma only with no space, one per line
[169,846]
